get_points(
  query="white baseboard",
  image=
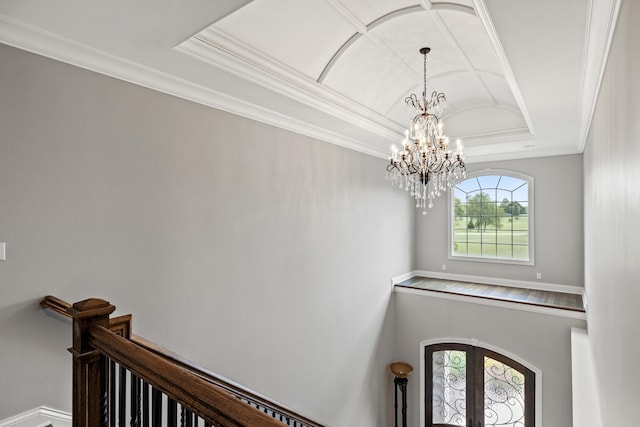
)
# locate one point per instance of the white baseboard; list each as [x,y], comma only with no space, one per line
[39,417]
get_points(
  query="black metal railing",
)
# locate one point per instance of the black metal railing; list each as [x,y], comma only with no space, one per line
[131,401]
[134,402]
[263,404]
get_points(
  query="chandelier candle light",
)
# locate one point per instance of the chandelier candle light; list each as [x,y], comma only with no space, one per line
[424,165]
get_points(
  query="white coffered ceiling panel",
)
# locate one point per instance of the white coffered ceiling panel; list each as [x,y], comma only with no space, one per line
[369,11]
[292,32]
[500,90]
[499,122]
[407,33]
[368,75]
[462,91]
[472,40]
[365,60]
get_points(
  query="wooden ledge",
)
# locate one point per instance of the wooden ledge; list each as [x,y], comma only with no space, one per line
[530,297]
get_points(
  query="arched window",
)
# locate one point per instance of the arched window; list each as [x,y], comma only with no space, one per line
[473,386]
[491,218]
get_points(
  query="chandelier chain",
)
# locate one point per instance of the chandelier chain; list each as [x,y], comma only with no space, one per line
[424,91]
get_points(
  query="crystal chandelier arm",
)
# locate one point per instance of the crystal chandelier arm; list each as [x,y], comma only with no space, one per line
[424,166]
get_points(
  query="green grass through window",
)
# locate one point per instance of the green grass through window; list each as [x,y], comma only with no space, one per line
[509,240]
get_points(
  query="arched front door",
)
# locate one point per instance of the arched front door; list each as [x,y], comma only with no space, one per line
[471,386]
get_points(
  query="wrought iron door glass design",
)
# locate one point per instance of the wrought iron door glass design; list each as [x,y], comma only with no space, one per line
[449,387]
[504,395]
[474,386]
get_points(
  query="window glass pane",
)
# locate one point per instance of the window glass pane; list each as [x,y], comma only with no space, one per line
[521,193]
[489,238]
[468,185]
[449,387]
[474,236]
[488,181]
[460,247]
[503,395]
[520,237]
[494,210]
[521,252]
[504,251]
[518,223]
[473,249]
[489,250]
[510,183]
[504,196]
[473,193]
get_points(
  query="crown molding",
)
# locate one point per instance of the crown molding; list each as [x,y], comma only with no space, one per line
[220,50]
[494,136]
[598,40]
[500,152]
[32,39]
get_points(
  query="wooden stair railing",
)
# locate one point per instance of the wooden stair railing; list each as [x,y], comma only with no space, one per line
[107,356]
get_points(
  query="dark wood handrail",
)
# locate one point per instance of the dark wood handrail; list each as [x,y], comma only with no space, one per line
[57,305]
[182,385]
[224,383]
[131,348]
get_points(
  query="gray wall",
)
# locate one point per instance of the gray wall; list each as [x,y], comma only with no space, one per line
[612,224]
[270,271]
[558,225]
[539,339]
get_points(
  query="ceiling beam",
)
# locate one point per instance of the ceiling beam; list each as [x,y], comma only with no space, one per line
[446,32]
[351,17]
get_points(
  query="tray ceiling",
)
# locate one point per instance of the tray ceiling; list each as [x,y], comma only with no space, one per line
[369,61]
[521,78]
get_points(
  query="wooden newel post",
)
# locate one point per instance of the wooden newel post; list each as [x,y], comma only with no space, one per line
[88,365]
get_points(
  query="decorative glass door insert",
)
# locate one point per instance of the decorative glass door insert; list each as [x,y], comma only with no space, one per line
[449,387]
[469,386]
[504,395]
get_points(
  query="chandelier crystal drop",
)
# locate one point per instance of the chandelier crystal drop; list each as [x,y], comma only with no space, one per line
[424,165]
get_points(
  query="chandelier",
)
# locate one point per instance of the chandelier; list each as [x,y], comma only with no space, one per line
[424,165]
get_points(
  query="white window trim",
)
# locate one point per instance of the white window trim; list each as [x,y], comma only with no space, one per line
[530,219]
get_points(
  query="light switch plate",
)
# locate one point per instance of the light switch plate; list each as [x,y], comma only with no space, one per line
[2,251]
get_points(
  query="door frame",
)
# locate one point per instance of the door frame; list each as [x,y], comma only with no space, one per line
[476,343]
